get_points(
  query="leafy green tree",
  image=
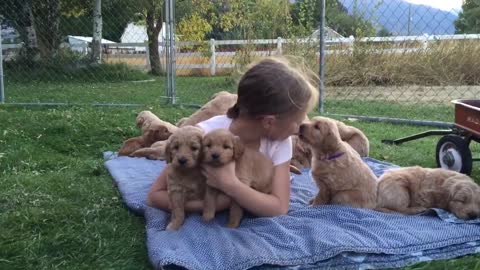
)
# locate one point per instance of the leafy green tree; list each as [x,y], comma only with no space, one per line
[468,21]
[77,17]
[18,13]
[306,15]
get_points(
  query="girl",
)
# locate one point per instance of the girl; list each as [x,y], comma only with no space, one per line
[273,100]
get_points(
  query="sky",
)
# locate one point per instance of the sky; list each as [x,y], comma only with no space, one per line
[448,5]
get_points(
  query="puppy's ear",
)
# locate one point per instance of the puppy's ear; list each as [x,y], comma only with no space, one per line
[332,135]
[162,133]
[460,193]
[168,152]
[238,148]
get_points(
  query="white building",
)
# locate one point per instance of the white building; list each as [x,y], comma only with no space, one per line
[135,33]
[81,44]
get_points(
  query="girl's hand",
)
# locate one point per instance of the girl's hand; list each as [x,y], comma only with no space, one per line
[222,178]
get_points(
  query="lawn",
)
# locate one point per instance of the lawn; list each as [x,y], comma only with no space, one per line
[58,207]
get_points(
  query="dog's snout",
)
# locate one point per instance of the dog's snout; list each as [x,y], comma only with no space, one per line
[301,129]
[215,156]
[182,160]
[472,216]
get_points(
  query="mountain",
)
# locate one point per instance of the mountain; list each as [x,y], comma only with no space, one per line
[393,15]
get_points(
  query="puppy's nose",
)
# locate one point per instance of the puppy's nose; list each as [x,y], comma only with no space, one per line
[182,160]
[215,156]
[301,129]
[472,216]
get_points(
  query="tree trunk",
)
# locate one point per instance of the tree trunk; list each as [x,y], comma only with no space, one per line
[27,32]
[46,20]
[97,33]
[153,29]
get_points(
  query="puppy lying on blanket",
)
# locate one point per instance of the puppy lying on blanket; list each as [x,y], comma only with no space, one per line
[354,137]
[155,151]
[219,104]
[251,167]
[341,175]
[413,190]
[184,178]
[146,120]
[153,129]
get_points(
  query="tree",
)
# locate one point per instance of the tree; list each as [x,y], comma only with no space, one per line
[97,33]
[306,16]
[77,17]
[233,19]
[468,21]
[18,13]
[154,20]
[383,32]
[46,21]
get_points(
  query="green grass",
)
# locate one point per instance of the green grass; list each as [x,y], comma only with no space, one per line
[58,207]
[150,92]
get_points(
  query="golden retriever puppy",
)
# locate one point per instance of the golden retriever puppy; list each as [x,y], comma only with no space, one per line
[153,130]
[218,105]
[355,138]
[301,154]
[413,190]
[155,151]
[181,121]
[251,167]
[341,175]
[149,137]
[146,120]
[184,178]
[131,145]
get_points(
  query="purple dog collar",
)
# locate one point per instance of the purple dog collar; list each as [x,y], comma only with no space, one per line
[335,156]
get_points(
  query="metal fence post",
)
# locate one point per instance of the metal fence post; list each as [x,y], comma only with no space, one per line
[172,55]
[322,55]
[167,49]
[2,89]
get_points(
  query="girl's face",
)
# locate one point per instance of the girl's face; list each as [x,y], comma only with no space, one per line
[283,127]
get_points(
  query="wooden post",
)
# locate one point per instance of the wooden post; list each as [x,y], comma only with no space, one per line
[425,41]
[351,41]
[279,46]
[213,62]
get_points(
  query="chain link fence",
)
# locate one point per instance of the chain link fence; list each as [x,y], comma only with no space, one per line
[393,58]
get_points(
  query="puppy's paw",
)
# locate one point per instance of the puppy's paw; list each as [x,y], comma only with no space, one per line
[208,215]
[316,201]
[295,170]
[233,224]
[173,226]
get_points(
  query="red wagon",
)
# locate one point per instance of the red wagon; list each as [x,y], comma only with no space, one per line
[453,149]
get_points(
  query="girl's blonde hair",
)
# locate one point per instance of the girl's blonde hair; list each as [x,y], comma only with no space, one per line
[275,86]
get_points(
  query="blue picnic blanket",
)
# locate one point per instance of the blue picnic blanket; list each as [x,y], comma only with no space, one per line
[334,237]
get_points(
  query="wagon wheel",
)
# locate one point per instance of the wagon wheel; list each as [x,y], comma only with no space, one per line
[453,153]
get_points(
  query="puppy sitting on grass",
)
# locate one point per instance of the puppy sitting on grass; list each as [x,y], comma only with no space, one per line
[253,168]
[184,178]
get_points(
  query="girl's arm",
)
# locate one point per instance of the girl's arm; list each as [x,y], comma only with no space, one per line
[158,197]
[256,202]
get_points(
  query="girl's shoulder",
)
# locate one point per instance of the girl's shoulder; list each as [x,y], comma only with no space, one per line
[279,151]
[216,122]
